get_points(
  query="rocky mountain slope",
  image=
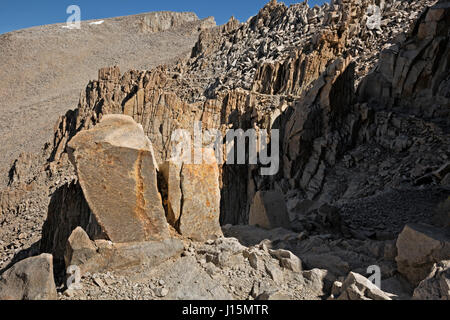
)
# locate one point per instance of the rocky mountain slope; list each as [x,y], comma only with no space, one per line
[43,69]
[364,179]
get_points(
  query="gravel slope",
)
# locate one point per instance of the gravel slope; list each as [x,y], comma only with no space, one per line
[44,69]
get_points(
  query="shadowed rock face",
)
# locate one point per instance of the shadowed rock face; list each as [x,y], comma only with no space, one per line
[170,171]
[117,172]
[320,128]
[268,210]
[67,210]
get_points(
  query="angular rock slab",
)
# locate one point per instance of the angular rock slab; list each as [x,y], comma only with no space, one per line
[121,256]
[103,255]
[419,246]
[358,287]
[200,211]
[287,259]
[29,279]
[116,169]
[79,249]
[268,210]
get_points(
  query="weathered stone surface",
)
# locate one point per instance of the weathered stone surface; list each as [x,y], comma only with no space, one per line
[250,72]
[326,260]
[436,286]
[319,281]
[357,287]
[225,252]
[29,279]
[121,256]
[420,246]
[200,212]
[194,284]
[268,210]
[165,20]
[10,199]
[116,169]
[103,256]
[287,259]
[173,34]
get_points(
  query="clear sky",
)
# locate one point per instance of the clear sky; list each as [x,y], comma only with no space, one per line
[19,14]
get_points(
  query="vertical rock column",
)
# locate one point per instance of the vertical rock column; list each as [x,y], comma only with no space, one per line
[193,197]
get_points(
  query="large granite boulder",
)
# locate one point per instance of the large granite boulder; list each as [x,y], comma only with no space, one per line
[117,172]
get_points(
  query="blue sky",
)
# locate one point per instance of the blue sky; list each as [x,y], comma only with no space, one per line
[19,14]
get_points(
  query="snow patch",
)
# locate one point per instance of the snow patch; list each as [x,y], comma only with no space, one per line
[70,27]
[97,22]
